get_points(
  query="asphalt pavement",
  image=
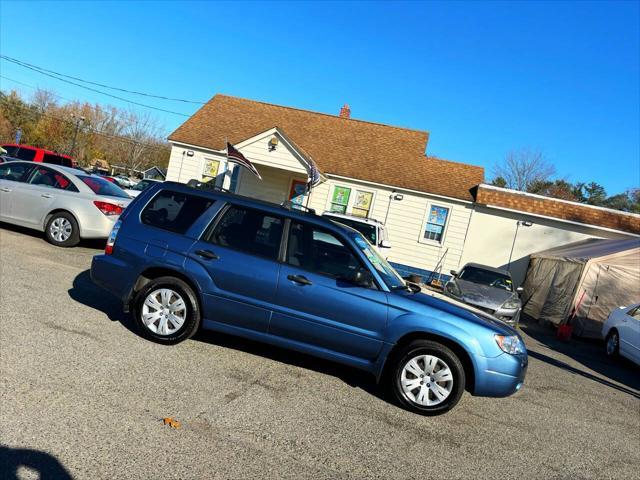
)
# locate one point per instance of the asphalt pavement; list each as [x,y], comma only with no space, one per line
[83,396]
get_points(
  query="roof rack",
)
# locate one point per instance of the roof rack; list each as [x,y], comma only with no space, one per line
[289,205]
[206,186]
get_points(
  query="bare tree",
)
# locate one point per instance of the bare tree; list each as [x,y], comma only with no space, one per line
[141,132]
[522,168]
[44,100]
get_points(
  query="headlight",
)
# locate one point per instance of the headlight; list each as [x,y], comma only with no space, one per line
[454,289]
[511,304]
[510,344]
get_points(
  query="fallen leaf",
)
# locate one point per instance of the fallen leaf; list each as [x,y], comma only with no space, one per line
[172,422]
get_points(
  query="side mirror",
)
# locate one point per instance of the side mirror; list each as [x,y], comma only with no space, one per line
[361,278]
[453,273]
[385,244]
[519,290]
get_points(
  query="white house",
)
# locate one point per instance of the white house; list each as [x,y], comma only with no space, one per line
[438,213]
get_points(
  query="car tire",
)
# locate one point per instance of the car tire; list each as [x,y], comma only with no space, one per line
[158,314]
[62,230]
[422,357]
[612,343]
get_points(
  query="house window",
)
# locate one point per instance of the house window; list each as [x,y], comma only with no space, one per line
[351,201]
[435,223]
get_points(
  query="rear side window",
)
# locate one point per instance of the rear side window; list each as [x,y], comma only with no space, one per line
[100,186]
[46,177]
[251,231]
[21,152]
[174,211]
[16,172]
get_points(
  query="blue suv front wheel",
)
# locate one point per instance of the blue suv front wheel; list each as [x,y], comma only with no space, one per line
[427,377]
[166,310]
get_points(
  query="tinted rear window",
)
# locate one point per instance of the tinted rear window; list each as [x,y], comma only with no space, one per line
[100,186]
[21,153]
[174,211]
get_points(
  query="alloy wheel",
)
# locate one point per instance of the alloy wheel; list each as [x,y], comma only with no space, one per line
[164,311]
[426,380]
[61,229]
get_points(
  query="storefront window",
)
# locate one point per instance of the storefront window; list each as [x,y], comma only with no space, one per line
[340,199]
[362,203]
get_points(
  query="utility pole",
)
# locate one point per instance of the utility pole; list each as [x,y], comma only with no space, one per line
[75,134]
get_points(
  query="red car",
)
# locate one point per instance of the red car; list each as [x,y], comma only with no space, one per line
[36,154]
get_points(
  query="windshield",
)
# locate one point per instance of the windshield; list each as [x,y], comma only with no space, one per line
[486,277]
[386,271]
[369,231]
[100,186]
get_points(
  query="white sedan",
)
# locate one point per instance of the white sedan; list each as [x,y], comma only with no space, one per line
[621,332]
[141,186]
[64,203]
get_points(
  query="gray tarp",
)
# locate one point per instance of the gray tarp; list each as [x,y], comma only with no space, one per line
[591,277]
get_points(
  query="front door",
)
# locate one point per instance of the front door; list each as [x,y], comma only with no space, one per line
[317,306]
[241,256]
[33,201]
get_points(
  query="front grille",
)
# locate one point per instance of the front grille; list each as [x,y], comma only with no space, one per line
[487,310]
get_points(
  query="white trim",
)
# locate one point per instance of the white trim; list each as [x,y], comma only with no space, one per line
[589,225]
[353,188]
[569,202]
[399,189]
[197,147]
[427,241]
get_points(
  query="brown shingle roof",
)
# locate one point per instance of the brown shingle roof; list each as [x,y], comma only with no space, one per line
[340,146]
[562,209]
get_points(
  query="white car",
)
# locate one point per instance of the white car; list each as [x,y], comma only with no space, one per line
[621,332]
[371,229]
[66,204]
[140,187]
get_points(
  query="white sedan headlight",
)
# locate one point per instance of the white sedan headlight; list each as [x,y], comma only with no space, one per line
[510,344]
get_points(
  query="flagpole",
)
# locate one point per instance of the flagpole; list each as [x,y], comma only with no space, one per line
[226,164]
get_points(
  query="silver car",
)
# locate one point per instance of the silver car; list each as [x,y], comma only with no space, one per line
[488,289]
[65,203]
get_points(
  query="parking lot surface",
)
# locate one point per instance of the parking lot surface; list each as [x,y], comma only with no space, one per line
[83,396]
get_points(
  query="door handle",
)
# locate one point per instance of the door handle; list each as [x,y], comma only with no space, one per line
[46,195]
[299,279]
[208,254]
[4,189]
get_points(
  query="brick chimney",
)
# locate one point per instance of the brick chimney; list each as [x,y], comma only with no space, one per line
[345,111]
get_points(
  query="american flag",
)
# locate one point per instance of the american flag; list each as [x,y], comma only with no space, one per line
[233,155]
[314,175]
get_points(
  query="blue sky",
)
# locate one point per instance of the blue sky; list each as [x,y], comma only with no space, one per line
[482,77]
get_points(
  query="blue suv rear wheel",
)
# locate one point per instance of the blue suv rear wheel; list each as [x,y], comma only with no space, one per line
[166,310]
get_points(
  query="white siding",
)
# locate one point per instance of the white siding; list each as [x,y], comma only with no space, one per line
[257,150]
[405,224]
[274,187]
[183,168]
[492,231]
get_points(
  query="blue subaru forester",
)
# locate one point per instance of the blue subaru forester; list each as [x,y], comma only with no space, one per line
[181,258]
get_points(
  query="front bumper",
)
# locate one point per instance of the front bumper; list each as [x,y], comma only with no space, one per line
[501,376]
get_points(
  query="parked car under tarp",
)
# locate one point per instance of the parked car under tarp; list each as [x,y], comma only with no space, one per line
[583,281]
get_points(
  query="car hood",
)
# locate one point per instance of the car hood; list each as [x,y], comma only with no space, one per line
[482,295]
[453,307]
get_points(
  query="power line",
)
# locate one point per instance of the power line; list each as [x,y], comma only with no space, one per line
[17,62]
[161,97]
[91,129]
[165,132]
